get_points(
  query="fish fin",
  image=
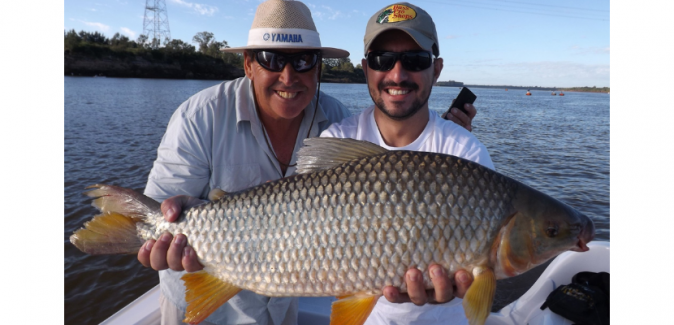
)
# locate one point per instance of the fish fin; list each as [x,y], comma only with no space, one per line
[204,294]
[480,296]
[352,310]
[325,153]
[110,233]
[216,194]
[124,201]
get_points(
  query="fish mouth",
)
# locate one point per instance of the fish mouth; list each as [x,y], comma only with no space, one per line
[585,236]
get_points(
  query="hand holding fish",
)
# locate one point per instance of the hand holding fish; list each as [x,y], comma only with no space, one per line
[460,118]
[444,290]
[171,252]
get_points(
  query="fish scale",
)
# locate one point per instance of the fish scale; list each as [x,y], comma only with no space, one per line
[256,223]
[353,221]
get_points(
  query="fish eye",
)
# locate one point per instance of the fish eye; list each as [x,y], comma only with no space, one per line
[552,231]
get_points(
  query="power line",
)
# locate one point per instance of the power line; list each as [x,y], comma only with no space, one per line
[471,5]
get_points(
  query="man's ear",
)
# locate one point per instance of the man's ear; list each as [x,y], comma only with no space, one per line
[248,65]
[363,63]
[437,68]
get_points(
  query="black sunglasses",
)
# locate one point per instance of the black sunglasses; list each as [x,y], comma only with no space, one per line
[275,61]
[411,60]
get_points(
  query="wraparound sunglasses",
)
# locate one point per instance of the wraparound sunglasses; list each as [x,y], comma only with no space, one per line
[276,61]
[411,60]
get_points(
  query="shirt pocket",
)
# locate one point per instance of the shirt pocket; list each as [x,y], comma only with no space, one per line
[232,178]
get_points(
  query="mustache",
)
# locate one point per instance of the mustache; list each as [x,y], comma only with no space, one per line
[403,84]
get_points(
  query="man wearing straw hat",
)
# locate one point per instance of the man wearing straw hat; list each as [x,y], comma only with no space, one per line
[401,65]
[239,134]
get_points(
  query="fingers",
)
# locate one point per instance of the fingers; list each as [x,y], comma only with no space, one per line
[189,260]
[443,289]
[144,253]
[174,255]
[415,287]
[463,280]
[173,206]
[158,253]
[465,120]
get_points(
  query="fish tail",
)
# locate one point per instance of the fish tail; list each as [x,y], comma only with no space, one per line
[114,230]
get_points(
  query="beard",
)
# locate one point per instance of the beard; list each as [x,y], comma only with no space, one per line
[405,113]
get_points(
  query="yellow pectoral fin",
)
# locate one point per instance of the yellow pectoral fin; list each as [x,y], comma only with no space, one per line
[480,296]
[216,194]
[204,294]
[352,310]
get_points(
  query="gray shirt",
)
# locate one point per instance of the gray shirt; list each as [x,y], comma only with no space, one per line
[215,140]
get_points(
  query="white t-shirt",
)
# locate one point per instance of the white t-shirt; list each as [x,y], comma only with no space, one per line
[440,136]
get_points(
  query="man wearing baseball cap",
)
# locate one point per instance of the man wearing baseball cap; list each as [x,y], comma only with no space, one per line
[401,65]
[239,134]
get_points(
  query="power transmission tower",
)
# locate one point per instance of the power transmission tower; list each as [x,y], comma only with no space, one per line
[155,23]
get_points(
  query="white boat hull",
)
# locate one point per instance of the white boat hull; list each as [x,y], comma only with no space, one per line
[525,310]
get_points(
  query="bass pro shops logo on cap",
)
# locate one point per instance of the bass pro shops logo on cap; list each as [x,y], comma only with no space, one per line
[396,13]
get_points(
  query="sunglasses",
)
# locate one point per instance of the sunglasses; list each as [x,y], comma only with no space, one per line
[411,60]
[275,61]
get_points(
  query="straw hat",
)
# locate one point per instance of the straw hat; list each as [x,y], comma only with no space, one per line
[280,24]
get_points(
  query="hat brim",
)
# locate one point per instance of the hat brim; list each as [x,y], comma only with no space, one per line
[328,52]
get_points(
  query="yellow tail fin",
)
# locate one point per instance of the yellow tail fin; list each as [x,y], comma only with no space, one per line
[204,294]
[480,296]
[110,233]
[114,231]
[352,310]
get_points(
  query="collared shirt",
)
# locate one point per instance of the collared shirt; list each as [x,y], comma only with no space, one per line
[441,136]
[215,139]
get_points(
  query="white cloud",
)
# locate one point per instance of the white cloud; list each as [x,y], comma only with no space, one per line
[201,9]
[451,36]
[99,26]
[590,50]
[128,32]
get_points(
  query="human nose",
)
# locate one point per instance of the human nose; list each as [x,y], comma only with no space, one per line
[288,74]
[398,73]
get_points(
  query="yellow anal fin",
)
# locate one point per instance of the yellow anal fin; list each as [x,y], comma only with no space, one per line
[216,194]
[352,310]
[480,296]
[204,294]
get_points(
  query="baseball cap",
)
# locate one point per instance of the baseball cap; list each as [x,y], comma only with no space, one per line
[407,17]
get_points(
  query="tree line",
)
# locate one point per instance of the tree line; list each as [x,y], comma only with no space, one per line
[97,44]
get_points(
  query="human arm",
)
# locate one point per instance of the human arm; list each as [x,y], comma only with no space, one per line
[457,116]
[182,167]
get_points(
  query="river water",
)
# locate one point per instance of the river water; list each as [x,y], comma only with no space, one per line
[559,145]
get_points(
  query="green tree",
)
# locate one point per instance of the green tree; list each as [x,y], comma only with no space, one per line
[203,39]
[177,45]
[142,39]
[71,39]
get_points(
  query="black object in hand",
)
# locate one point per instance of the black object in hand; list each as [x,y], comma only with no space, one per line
[465,97]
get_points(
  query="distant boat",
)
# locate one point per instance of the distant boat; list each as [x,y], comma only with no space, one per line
[506,89]
[554,93]
[528,93]
[561,93]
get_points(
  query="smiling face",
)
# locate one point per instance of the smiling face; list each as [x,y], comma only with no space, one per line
[281,95]
[399,93]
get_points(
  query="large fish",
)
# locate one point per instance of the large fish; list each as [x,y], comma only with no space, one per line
[352,222]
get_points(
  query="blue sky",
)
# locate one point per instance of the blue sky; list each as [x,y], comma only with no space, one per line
[528,43]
